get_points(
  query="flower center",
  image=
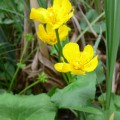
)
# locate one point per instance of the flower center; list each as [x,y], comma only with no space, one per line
[52,38]
[77,65]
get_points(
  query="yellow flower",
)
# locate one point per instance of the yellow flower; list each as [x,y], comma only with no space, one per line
[78,62]
[59,13]
[48,35]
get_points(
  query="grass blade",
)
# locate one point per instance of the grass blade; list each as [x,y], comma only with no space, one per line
[113,27]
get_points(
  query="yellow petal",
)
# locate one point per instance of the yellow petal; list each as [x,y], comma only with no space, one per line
[46,36]
[58,14]
[57,24]
[63,32]
[57,4]
[89,51]
[42,33]
[67,7]
[71,52]
[67,17]
[87,54]
[51,33]
[78,72]
[39,14]
[62,6]
[50,29]
[62,67]
[90,66]
[66,11]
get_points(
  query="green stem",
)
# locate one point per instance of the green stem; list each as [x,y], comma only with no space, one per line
[21,58]
[13,79]
[56,48]
[59,50]
[109,77]
[58,43]
[101,92]
[65,78]
[28,87]
[69,77]
[17,70]
[63,74]
[31,53]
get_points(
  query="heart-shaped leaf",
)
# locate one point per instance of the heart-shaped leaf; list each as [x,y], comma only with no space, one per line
[78,95]
[17,107]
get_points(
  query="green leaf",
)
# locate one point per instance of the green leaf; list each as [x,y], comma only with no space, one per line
[106,115]
[17,107]
[91,16]
[7,21]
[112,39]
[21,65]
[9,70]
[96,117]
[115,102]
[2,76]
[52,91]
[42,3]
[29,37]
[53,51]
[100,72]
[78,95]
[114,106]
[89,109]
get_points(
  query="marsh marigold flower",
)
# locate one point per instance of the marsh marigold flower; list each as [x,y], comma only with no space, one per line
[59,13]
[47,34]
[77,62]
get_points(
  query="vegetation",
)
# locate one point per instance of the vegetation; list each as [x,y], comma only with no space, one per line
[61,61]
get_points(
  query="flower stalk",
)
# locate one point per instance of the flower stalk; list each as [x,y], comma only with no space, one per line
[18,68]
[66,76]
[58,44]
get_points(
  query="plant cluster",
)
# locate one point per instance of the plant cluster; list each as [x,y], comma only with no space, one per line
[73,67]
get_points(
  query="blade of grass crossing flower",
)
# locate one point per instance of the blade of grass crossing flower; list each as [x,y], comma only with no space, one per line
[113,27]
